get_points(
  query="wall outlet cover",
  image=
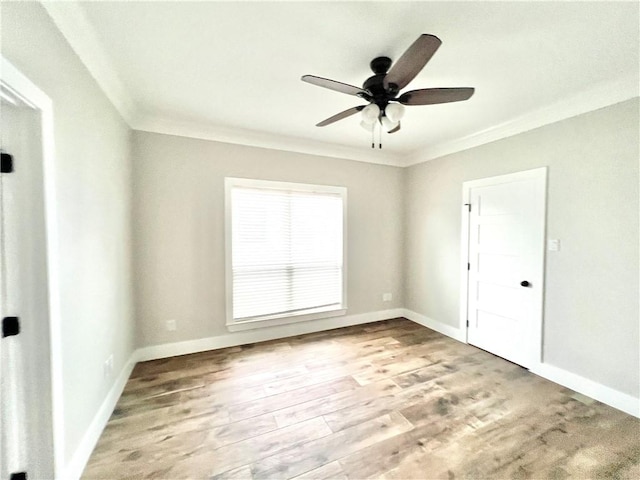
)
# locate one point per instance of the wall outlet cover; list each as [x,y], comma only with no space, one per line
[553,245]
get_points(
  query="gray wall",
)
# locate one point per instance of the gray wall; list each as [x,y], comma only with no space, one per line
[93,189]
[179,232]
[591,302]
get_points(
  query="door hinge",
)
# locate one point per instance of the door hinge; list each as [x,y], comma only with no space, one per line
[468,266]
[18,476]
[468,205]
[7,163]
[467,323]
[10,326]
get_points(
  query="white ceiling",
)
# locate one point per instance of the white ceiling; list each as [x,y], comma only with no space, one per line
[231,70]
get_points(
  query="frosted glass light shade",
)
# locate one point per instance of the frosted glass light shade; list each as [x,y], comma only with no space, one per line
[370,113]
[394,112]
[388,124]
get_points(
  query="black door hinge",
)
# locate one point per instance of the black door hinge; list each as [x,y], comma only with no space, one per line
[10,326]
[467,323]
[18,476]
[468,205]
[7,163]
[468,266]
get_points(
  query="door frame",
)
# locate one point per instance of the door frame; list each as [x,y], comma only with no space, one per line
[539,175]
[19,86]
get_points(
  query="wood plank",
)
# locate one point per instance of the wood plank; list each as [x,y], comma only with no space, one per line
[240,473]
[374,406]
[319,376]
[220,460]
[375,372]
[272,403]
[153,430]
[335,402]
[328,471]
[311,455]
[376,460]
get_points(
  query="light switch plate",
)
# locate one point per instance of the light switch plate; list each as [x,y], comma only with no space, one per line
[553,245]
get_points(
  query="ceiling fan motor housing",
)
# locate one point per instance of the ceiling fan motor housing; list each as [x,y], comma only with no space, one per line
[375,84]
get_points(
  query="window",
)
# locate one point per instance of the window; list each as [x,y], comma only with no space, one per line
[285,252]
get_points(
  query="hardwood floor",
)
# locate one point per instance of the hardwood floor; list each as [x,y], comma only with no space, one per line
[390,400]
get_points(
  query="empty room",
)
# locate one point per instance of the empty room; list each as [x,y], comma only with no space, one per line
[319,240]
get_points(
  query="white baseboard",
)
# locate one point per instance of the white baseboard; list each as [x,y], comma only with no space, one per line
[253,336]
[73,470]
[614,398]
[443,328]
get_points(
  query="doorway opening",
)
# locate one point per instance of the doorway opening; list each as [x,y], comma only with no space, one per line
[31,441]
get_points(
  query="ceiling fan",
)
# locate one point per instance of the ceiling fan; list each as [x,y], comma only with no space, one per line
[382,90]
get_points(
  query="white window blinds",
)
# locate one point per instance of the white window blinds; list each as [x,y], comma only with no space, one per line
[286,250]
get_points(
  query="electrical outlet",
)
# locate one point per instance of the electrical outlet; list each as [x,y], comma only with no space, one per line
[387,297]
[107,368]
[553,245]
[172,325]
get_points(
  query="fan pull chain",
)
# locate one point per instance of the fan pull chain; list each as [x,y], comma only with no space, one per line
[380,136]
[373,141]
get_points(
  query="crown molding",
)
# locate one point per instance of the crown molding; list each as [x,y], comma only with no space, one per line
[251,138]
[597,97]
[72,22]
[70,19]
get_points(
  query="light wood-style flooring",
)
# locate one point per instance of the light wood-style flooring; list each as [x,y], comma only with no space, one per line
[390,400]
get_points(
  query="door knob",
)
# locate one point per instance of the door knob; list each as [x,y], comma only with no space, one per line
[524,283]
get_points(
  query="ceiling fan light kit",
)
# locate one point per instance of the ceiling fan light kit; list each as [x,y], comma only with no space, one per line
[385,107]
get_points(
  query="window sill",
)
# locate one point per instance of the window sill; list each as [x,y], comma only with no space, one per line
[285,319]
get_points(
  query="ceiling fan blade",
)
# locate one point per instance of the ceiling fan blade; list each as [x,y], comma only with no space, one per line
[340,116]
[431,96]
[333,85]
[412,61]
[395,129]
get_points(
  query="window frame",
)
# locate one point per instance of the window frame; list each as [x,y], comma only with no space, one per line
[280,318]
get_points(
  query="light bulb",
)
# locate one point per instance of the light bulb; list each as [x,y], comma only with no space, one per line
[394,112]
[388,124]
[370,113]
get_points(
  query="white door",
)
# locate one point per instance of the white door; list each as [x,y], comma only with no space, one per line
[12,350]
[26,443]
[506,227]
